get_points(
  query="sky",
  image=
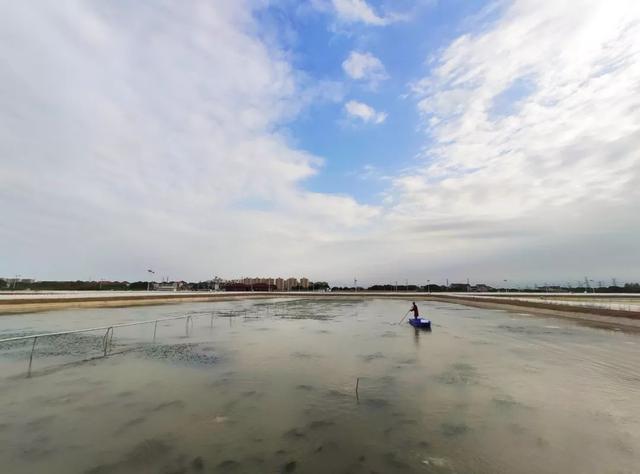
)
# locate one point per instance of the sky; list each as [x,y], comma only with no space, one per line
[385,140]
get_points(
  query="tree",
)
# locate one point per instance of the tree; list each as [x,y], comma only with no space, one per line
[138,285]
[320,285]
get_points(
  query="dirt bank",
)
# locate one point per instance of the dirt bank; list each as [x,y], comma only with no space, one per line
[600,317]
[597,317]
[30,305]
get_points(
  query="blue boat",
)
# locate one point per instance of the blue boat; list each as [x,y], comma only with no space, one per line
[420,323]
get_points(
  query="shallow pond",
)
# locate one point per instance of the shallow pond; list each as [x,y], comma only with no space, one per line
[272,388]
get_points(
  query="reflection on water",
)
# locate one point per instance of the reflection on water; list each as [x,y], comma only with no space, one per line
[274,390]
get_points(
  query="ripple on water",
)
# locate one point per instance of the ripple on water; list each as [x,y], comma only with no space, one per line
[437,462]
[393,460]
[170,405]
[228,465]
[458,374]
[451,430]
[148,453]
[505,402]
[372,357]
[376,403]
[320,424]
[130,424]
[294,434]
[304,355]
[40,422]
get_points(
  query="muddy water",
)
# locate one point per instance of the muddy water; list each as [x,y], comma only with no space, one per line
[274,391]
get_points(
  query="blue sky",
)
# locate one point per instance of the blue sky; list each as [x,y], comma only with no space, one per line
[383,140]
[319,47]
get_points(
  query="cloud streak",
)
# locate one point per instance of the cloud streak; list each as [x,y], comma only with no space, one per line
[533,126]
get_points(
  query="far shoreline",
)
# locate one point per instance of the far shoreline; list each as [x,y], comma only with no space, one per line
[21,303]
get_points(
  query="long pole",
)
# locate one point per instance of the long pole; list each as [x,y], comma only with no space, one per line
[405,315]
[149,282]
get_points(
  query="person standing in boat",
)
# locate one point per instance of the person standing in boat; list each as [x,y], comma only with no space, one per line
[414,308]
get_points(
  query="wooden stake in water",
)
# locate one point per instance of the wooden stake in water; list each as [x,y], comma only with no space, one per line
[35,339]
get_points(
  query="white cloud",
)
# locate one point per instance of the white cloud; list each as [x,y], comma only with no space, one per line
[556,166]
[357,11]
[129,138]
[371,13]
[364,112]
[364,67]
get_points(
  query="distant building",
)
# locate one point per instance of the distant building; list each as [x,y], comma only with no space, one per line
[270,284]
[12,282]
[166,286]
[291,283]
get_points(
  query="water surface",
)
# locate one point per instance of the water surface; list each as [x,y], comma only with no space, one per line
[273,389]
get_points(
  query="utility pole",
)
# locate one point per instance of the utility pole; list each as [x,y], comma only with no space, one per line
[429,286]
[149,282]
[355,285]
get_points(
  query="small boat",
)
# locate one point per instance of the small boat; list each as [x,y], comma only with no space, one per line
[420,323]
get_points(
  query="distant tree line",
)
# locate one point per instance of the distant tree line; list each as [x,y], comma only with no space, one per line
[77,285]
[463,287]
[414,288]
[80,285]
